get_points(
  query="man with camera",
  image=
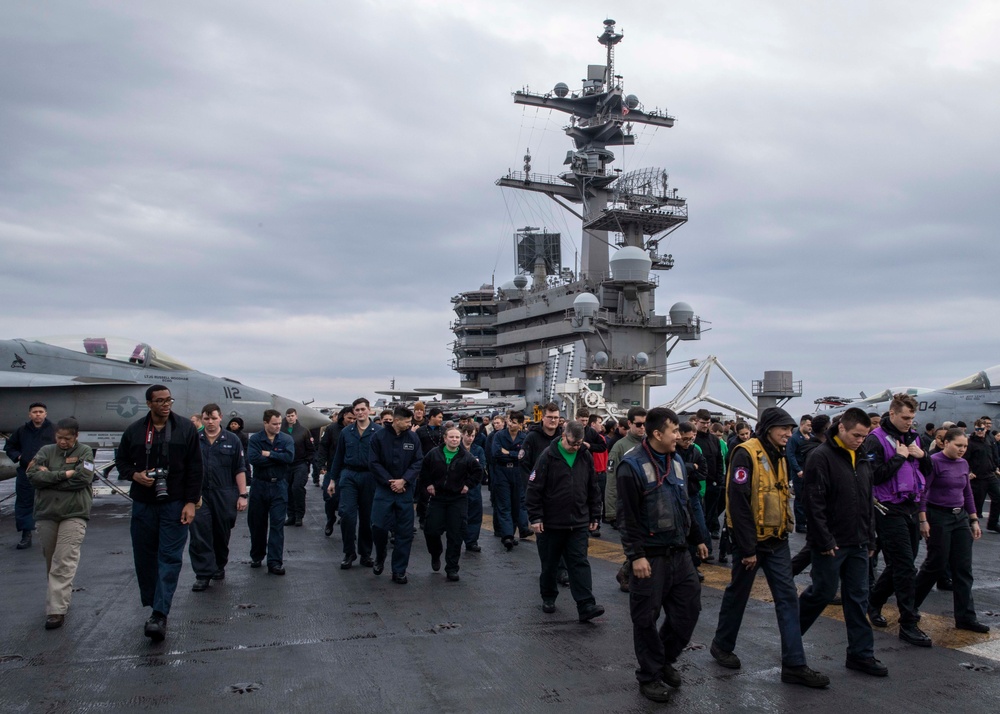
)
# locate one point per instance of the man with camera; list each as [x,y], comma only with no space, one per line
[160,455]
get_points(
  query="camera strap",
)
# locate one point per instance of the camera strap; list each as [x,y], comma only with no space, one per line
[164,446]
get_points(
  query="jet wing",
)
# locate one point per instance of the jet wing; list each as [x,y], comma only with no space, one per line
[402,394]
[23,380]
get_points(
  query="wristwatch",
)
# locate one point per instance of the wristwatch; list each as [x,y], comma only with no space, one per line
[244,495]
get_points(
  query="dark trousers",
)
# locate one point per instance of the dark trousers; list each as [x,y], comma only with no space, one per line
[699,523]
[298,477]
[158,539]
[799,507]
[266,520]
[494,515]
[210,530]
[24,502]
[801,560]
[506,488]
[776,562]
[569,544]
[330,503]
[899,536]
[980,488]
[446,515]
[847,569]
[357,490]
[602,483]
[950,542]
[522,514]
[713,496]
[393,512]
[474,523]
[674,587]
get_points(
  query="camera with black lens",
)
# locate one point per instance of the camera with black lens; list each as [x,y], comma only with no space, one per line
[159,476]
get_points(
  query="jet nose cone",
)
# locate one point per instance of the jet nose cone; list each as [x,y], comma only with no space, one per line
[308,417]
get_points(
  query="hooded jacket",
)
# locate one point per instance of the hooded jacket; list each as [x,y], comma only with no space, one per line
[741,499]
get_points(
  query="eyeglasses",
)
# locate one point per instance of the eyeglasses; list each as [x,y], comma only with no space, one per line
[161,402]
[980,428]
[572,444]
[640,424]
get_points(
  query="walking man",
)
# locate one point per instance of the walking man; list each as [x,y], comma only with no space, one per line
[837,485]
[900,469]
[351,478]
[223,494]
[160,455]
[21,448]
[270,452]
[395,459]
[298,474]
[658,527]
[759,519]
[564,503]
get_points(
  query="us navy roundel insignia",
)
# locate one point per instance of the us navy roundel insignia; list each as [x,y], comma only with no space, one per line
[532,477]
[741,474]
[520,454]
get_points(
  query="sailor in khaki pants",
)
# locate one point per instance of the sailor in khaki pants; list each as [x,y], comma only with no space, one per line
[62,474]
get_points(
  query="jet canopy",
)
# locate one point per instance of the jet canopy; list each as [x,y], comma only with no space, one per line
[980,380]
[117,349]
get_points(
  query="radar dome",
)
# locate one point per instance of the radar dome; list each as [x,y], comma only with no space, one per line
[520,282]
[508,286]
[561,89]
[601,359]
[586,304]
[630,263]
[642,359]
[681,313]
[631,101]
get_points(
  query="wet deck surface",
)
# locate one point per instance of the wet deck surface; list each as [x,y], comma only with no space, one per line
[322,639]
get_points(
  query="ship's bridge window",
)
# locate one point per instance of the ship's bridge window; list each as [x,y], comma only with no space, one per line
[117,349]
[979,380]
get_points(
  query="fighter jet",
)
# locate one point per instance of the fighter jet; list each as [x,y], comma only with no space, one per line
[102,382]
[965,400]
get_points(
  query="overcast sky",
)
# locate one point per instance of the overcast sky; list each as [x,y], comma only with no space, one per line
[289,194]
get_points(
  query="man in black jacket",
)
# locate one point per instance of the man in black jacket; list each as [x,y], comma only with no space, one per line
[538,439]
[837,481]
[298,475]
[160,455]
[715,477]
[658,527]
[981,456]
[21,447]
[564,502]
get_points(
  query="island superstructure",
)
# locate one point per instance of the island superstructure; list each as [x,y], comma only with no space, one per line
[590,337]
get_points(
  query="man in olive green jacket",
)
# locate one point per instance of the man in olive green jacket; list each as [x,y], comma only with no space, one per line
[62,474]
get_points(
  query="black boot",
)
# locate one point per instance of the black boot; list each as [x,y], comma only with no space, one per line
[25,540]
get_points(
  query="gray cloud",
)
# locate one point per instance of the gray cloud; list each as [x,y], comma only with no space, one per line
[291,196]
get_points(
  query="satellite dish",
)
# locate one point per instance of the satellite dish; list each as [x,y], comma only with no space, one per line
[631,101]
[561,90]
[642,359]
[521,282]
[601,359]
